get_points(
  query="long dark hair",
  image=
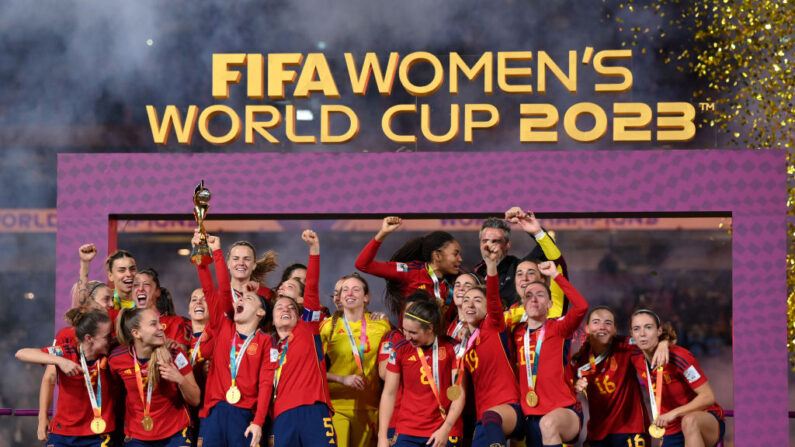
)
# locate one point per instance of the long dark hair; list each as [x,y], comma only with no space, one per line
[427,314]
[415,249]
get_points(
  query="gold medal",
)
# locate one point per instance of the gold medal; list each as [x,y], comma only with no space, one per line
[98,425]
[656,432]
[453,392]
[233,395]
[148,423]
[532,398]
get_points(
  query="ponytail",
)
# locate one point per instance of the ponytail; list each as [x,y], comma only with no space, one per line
[85,321]
[263,266]
[415,249]
[427,314]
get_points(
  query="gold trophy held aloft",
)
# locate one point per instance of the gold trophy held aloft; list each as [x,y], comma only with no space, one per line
[201,255]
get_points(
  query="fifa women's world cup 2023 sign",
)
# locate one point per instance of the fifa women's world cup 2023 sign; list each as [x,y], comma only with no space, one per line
[267,77]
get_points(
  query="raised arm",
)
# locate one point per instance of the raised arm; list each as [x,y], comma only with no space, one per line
[494,314]
[311,290]
[87,253]
[571,321]
[219,300]
[366,261]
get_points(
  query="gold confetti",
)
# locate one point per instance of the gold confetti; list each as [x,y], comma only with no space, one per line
[742,51]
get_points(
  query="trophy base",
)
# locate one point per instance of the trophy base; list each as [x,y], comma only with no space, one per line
[201,255]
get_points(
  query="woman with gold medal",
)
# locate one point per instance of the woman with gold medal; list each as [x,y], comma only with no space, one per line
[683,405]
[158,382]
[485,353]
[240,379]
[84,415]
[606,377]
[553,415]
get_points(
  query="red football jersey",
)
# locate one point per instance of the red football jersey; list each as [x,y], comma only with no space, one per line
[419,413]
[488,360]
[176,329]
[681,376]
[168,410]
[255,375]
[73,412]
[553,389]
[411,276]
[615,400]
[303,373]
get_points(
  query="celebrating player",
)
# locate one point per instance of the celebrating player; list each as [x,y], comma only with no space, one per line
[158,381]
[458,328]
[84,415]
[486,355]
[301,407]
[605,374]
[146,291]
[553,413]
[244,267]
[683,404]
[421,263]
[352,340]
[121,268]
[422,367]
[240,380]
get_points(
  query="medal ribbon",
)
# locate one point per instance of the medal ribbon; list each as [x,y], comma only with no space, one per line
[236,294]
[96,399]
[590,367]
[460,363]
[531,364]
[117,300]
[655,398]
[358,353]
[147,402]
[437,290]
[236,357]
[435,382]
[457,329]
[195,350]
[278,374]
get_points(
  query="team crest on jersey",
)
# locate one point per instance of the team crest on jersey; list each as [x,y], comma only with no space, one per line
[691,374]
[442,354]
[252,349]
[55,350]
[401,267]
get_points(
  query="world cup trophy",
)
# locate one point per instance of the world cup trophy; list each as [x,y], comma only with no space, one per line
[201,255]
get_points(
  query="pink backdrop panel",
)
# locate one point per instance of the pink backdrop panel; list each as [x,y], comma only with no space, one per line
[751,185]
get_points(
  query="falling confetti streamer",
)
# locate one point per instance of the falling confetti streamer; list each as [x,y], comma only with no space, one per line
[741,51]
